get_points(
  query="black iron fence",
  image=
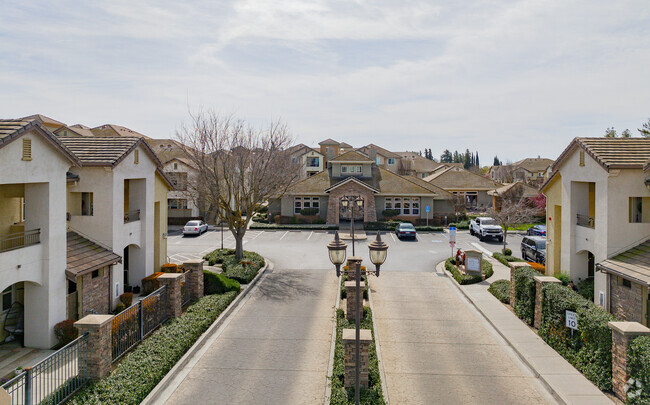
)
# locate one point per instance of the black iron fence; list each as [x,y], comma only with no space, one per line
[132,325]
[19,240]
[53,380]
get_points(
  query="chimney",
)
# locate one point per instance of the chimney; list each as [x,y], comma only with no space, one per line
[330,153]
[372,154]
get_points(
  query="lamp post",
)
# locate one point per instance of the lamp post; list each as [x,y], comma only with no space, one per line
[337,252]
[352,201]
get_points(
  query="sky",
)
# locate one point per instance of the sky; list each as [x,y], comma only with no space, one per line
[509,78]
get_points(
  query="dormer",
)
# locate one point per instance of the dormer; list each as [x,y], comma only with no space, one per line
[352,163]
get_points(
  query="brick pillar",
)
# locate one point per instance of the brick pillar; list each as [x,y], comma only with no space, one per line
[194,278]
[622,334]
[513,267]
[351,271]
[174,302]
[349,343]
[97,359]
[539,283]
[351,299]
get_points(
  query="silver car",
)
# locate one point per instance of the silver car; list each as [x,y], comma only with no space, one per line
[195,227]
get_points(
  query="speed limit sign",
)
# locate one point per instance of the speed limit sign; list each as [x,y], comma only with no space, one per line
[571,320]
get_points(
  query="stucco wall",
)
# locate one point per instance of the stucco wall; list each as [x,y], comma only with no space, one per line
[554,226]
[160,222]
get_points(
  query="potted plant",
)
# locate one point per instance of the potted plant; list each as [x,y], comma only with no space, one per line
[18,371]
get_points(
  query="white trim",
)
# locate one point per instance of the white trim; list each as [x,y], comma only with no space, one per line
[354,179]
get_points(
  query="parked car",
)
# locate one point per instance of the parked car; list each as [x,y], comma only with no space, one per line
[533,248]
[539,230]
[405,230]
[486,227]
[195,227]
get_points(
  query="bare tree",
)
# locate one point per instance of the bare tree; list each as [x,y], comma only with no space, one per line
[239,167]
[512,209]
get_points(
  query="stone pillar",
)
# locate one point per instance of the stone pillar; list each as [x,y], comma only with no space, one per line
[349,343]
[539,283]
[513,267]
[351,299]
[194,278]
[174,302]
[351,271]
[97,359]
[622,334]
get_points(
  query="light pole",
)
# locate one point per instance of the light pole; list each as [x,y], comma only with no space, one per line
[352,201]
[337,252]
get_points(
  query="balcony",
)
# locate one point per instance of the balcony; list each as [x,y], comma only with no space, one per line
[131,216]
[586,221]
[19,240]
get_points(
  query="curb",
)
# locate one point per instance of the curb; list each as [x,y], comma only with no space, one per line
[382,374]
[157,391]
[330,366]
[557,396]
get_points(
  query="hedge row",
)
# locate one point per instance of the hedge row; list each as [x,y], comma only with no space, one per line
[214,283]
[148,363]
[589,349]
[340,395]
[506,259]
[525,293]
[217,256]
[638,366]
[289,227]
[501,290]
[461,225]
[463,279]
[243,271]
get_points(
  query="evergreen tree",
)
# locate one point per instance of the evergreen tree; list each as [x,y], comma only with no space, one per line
[496,161]
[457,157]
[476,160]
[645,129]
[467,159]
[446,157]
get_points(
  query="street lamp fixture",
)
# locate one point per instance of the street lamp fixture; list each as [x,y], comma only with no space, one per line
[378,252]
[337,250]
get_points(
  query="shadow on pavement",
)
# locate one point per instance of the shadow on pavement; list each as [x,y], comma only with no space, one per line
[287,286]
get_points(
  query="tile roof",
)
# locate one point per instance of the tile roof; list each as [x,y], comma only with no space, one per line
[77,129]
[100,151]
[611,153]
[352,156]
[167,149]
[45,120]
[413,161]
[633,264]
[534,164]
[345,145]
[379,150]
[528,191]
[328,141]
[456,178]
[13,129]
[84,255]
[112,130]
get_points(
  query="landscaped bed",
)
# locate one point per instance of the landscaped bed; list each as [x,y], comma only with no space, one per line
[501,290]
[463,279]
[243,271]
[288,227]
[142,369]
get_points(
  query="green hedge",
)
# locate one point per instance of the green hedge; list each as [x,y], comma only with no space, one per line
[506,259]
[586,288]
[463,279]
[424,228]
[372,395]
[638,366]
[501,290]
[245,270]
[389,226]
[590,348]
[461,225]
[217,256]
[139,372]
[291,227]
[214,283]
[525,293]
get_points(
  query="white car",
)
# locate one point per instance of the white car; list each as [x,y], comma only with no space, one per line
[195,227]
[486,227]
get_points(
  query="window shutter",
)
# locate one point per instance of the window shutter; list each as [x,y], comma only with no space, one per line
[27,149]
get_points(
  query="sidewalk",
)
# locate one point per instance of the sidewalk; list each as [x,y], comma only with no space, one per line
[566,383]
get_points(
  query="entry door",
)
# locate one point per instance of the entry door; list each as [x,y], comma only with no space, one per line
[591,264]
[346,213]
[125,261]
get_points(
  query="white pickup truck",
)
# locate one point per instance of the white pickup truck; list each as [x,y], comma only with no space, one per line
[485,227]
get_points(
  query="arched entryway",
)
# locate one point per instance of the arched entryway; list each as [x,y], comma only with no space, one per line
[134,266]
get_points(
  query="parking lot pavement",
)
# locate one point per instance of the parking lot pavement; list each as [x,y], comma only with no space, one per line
[308,249]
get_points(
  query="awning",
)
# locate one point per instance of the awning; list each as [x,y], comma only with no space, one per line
[84,256]
[633,264]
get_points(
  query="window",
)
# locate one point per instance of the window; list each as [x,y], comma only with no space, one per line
[7,298]
[344,169]
[359,169]
[625,283]
[27,149]
[294,160]
[95,274]
[175,166]
[388,203]
[391,161]
[639,209]
[300,203]
[177,204]
[378,160]
[72,287]
[397,203]
[415,206]
[406,209]
[405,205]
[87,204]
[313,162]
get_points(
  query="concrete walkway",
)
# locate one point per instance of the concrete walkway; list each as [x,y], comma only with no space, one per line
[565,382]
[273,350]
[437,349]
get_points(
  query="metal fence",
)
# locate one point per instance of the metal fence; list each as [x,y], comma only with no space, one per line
[18,240]
[185,292]
[133,324]
[53,380]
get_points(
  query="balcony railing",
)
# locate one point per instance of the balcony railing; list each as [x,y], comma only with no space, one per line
[586,221]
[131,216]
[19,240]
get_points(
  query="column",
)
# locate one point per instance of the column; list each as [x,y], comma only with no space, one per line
[539,283]
[622,334]
[97,359]
[351,299]
[194,278]
[349,343]
[174,302]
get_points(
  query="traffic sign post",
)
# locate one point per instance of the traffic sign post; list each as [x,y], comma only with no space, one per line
[571,320]
[452,239]
[427,209]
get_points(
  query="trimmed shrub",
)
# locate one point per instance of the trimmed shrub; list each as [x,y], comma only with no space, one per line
[217,256]
[119,308]
[463,279]
[564,278]
[390,213]
[589,349]
[504,259]
[126,299]
[525,293]
[309,211]
[214,283]
[462,225]
[245,270]
[65,332]
[501,290]
[140,370]
[424,228]
[586,288]
[282,227]
[638,366]
[507,252]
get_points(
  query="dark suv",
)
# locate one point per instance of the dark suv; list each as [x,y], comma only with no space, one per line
[534,248]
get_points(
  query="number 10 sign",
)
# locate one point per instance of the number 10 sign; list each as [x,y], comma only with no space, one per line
[571,320]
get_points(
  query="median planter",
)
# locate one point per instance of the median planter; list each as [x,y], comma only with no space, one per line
[463,279]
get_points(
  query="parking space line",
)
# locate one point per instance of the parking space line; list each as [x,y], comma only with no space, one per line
[311,233]
[393,236]
[285,234]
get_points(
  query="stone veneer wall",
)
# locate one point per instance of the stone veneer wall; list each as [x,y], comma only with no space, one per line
[351,188]
[626,303]
[94,293]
